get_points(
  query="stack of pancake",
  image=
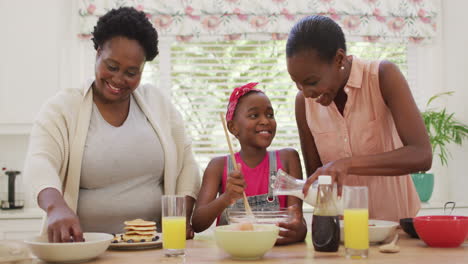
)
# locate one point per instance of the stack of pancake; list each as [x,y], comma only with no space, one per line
[139,230]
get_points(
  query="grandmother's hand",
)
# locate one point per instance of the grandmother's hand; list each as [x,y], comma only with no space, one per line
[63,225]
[296,229]
[235,186]
[337,169]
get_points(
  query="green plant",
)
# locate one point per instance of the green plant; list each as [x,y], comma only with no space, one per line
[443,128]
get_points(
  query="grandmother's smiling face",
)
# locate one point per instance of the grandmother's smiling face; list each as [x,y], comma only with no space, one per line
[119,65]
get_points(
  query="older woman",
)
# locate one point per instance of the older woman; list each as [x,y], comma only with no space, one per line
[107,153]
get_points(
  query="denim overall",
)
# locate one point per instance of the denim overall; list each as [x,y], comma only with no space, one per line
[262,202]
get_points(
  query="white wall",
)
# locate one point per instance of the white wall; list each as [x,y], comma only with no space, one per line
[455,72]
[29,49]
[430,81]
[41,54]
[443,66]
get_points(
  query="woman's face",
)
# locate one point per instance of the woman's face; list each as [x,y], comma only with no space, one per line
[314,77]
[119,65]
[254,121]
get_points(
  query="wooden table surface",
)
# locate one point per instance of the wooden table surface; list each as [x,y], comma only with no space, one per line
[204,250]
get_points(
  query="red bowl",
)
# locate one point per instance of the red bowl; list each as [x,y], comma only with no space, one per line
[442,230]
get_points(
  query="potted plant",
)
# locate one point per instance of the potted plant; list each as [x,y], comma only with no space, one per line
[443,129]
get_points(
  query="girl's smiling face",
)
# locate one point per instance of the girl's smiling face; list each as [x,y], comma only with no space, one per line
[315,77]
[254,122]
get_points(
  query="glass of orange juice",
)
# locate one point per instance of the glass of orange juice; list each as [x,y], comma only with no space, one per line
[173,225]
[356,221]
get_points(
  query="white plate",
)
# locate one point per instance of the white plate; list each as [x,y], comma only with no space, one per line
[122,245]
[379,230]
[95,245]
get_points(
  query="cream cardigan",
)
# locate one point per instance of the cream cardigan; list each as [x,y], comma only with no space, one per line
[59,133]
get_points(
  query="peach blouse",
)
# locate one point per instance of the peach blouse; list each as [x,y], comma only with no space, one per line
[366,127]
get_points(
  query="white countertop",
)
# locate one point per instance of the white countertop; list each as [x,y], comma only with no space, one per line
[440,205]
[430,205]
[37,213]
[25,213]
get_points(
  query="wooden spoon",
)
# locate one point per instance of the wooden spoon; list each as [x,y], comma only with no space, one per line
[234,163]
[390,248]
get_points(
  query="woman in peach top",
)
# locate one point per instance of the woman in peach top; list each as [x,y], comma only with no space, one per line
[357,119]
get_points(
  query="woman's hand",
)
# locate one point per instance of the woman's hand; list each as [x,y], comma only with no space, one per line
[337,169]
[63,225]
[235,186]
[189,231]
[296,229]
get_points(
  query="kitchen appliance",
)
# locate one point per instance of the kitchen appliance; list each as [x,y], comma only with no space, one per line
[12,202]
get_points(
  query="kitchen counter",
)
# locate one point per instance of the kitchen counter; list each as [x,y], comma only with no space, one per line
[204,250]
[25,213]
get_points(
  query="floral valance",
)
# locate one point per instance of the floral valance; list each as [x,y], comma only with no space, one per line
[371,20]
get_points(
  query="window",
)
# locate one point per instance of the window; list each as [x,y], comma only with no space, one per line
[201,76]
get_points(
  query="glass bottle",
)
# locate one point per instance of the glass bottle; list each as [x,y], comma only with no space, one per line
[325,220]
[285,184]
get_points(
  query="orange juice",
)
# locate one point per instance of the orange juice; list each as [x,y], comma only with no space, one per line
[356,229]
[173,228]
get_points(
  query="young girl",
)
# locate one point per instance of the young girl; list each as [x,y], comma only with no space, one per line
[250,119]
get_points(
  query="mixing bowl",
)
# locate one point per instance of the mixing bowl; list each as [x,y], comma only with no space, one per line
[408,226]
[261,217]
[246,245]
[442,230]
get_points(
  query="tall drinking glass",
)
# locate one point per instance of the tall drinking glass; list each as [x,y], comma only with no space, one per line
[356,221]
[173,225]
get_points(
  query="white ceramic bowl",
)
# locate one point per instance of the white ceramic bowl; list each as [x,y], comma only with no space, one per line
[246,245]
[379,230]
[96,244]
[14,252]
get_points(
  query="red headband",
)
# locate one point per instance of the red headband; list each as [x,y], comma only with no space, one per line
[236,95]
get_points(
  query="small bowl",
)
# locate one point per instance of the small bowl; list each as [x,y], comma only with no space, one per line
[408,226]
[261,217]
[442,230]
[12,251]
[379,230]
[246,245]
[95,245]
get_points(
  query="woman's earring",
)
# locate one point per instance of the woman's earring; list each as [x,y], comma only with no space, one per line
[342,68]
